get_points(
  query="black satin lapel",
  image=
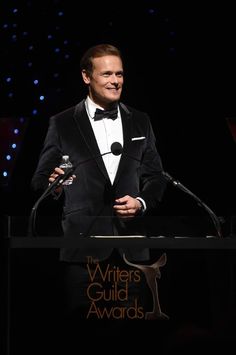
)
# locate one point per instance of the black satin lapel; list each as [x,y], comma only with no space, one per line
[126,124]
[86,131]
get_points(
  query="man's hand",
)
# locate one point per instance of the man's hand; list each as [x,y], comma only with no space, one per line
[58,171]
[55,174]
[127,206]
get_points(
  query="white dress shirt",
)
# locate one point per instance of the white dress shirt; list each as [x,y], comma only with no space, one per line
[106,131]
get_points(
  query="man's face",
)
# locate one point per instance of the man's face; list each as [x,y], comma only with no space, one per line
[106,81]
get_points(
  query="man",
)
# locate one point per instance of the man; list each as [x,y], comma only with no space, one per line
[110,193]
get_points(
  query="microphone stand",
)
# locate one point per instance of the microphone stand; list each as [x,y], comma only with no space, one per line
[56,183]
[216,221]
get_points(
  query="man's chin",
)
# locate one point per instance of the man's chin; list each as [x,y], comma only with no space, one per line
[113,98]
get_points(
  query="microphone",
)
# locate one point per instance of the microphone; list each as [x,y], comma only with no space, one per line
[215,219]
[116,149]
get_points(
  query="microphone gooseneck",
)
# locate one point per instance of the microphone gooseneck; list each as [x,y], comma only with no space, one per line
[56,183]
[117,149]
[215,219]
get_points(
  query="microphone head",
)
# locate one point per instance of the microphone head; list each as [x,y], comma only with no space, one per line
[116,148]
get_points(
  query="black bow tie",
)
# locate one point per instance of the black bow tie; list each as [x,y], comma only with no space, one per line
[100,114]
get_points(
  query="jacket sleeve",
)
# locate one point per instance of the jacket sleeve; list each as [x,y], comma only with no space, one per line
[49,158]
[152,181]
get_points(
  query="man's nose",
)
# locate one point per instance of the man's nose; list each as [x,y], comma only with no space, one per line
[114,79]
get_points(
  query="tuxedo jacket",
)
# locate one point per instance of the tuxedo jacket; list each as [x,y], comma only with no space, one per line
[88,202]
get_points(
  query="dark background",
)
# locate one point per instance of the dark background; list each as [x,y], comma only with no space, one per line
[179,67]
[179,60]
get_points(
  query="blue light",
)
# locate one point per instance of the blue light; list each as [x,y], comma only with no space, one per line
[57,50]
[15,11]
[13,145]
[151,11]
[10,94]
[41,98]
[60,13]
[8,80]
[36,82]
[8,157]
[5,173]
[16,130]
[34,112]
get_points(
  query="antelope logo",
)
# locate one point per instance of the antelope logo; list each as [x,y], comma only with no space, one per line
[152,272]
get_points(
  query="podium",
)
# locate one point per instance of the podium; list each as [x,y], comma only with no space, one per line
[196,288]
[156,242]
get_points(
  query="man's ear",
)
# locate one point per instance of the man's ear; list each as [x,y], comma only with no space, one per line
[85,77]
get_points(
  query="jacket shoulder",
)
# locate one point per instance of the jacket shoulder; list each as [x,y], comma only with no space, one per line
[64,115]
[68,113]
[133,111]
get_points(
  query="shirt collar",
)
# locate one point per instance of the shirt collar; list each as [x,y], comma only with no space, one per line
[91,107]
